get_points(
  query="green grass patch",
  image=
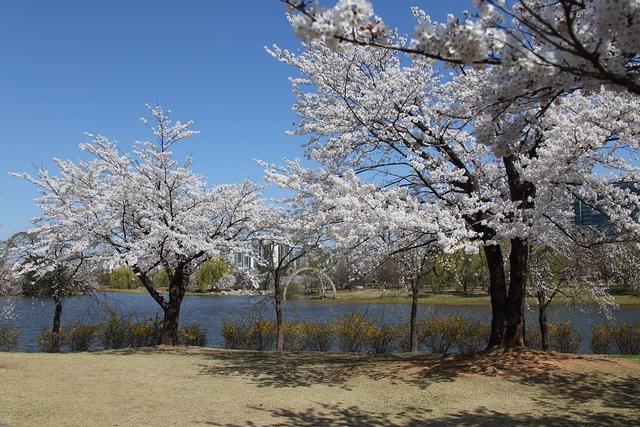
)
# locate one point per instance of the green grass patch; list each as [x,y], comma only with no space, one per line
[635,357]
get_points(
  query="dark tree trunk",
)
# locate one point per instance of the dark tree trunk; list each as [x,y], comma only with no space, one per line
[171,321]
[498,293]
[522,192]
[278,301]
[55,327]
[517,276]
[413,322]
[542,320]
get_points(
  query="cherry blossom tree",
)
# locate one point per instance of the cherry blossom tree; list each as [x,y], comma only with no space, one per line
[540,46]
[145,211]
[371,225]
[282,238]
[503,178]
[568,267]
[46,259]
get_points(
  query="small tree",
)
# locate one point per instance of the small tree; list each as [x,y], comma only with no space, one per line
[48,260]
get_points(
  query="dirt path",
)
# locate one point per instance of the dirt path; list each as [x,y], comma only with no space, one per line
[213,387]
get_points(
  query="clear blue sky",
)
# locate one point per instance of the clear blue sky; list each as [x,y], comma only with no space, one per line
[74,66]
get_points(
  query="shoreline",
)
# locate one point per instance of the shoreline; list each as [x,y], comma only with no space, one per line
[374,296]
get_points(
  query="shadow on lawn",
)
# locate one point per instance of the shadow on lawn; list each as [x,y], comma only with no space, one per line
[568,383]
[481,417]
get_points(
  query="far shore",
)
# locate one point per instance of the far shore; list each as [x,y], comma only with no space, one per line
[391,296]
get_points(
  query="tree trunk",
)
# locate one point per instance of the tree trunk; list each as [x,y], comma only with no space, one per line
[55,327]
[542,320]
[171,321]
[515,302]
[413,322]
[170,324]
[498,293]
[278,301]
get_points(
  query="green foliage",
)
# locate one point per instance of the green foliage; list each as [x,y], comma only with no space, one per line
[124,278]
[460,269]
[351,333]
[80,336]
[194,335]
[210,273]
[8,338]
[161,279]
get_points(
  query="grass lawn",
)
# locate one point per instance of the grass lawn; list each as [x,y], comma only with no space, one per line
[193,386]
[401,296]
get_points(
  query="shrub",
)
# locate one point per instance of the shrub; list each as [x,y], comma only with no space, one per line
[8,338]
[295,336]
[601,339]
[470,336]
[626,336]
[231,335]
[438,335]
[145,334]
[256,334]
[534,337]
[381,338]
[563,338]
[318,336]
[193,335]
[116,332]
[262,335]
[351,333]
[46,342]
[80,336]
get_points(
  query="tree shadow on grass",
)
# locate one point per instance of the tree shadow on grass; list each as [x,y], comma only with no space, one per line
[267,369]
[331,415]
[567,383]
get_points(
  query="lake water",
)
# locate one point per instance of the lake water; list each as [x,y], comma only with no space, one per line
[30,315]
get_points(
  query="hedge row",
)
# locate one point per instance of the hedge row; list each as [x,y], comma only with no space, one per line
[354,333]
[115,333]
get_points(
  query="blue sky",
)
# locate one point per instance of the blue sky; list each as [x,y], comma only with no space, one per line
[74,66]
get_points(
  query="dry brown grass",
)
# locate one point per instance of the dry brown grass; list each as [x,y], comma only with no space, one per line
[193,386]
